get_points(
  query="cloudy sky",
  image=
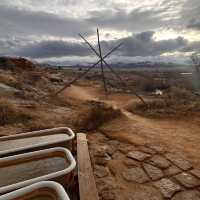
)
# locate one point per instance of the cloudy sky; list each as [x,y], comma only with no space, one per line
[47,30]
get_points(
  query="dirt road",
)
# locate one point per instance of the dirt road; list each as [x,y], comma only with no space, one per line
[177,135]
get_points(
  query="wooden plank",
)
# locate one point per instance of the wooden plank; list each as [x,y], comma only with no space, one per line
[87,185]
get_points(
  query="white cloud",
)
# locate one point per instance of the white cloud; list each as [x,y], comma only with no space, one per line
[24,23]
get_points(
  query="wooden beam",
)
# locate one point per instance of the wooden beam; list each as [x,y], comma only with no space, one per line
[87,185]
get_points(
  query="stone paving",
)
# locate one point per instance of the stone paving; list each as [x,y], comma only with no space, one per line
[121,167]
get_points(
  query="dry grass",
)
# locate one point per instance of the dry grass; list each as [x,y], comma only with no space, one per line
[176,102]
[10,114]
[38,124]
[9,79]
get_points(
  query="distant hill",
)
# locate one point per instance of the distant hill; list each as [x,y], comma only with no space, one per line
[131,66]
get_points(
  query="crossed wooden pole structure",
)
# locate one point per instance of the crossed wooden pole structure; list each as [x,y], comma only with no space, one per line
[102,63]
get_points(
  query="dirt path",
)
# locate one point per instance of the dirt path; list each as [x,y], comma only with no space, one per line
[176,135]
[131,155]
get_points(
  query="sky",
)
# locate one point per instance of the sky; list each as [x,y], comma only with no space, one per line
[150,30]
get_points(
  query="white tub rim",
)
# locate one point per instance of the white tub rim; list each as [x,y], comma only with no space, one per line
[59,190]
[34,133]
[72,165]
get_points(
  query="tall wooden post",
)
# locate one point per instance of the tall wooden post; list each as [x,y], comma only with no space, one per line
[102,69]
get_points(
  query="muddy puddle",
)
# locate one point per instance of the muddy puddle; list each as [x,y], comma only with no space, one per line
[14,173]
[23,142]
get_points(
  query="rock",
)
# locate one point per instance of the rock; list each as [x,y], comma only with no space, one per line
[113,166]
[113,142]
[124,148]
[107,188]
[110,150]
[187,180]
[178,161]
[171,171]
[167,187]
[5,89]
[160,162]
[157,148]
[147,150]
[187,195]
[100,151]
[145,194]
[102,160]
[153,172]
[107,184]
[55,79]
[108,195]
[100,171]
[138,155]
[118,156]
[131,163]
[135,174]
[195,172]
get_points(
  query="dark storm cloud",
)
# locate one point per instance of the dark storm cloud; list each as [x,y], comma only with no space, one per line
[190,15]
[192,47]
[136,20]
[142,44]
[47,49]
[21,22]
[38,30]
[18,22]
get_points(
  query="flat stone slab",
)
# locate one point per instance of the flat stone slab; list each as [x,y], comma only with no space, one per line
[160,162]
[178,161]
[131,163]
[135,174]
[167,187]
[195,172]
[172,170]
[144,193]
[100,171]
[187,195]
[138,155]
[108,195]
[103,159]
[157,148]
[113,142]
[147,150]
[153,172]
[187,180]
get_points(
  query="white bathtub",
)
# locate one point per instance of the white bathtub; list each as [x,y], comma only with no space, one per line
[18,171]
[49,189]
[36,140]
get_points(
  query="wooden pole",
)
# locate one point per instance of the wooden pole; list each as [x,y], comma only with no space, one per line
[111,69]
[102,69]
[90,68]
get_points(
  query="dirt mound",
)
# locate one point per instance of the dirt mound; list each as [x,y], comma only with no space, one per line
[94,114]
[16,64]
[30,80]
